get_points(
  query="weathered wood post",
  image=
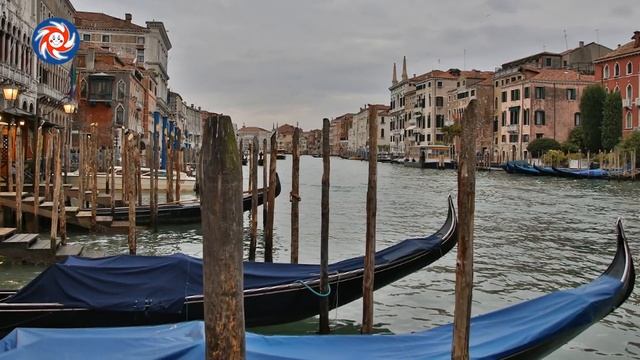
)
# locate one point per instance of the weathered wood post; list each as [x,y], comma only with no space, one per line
[324,229]
[11,157]
[221,190]
[178,167]
[295,196]
[466,208]
[62,219]
[19,177]
[154,181]
[271,201]
[265,170]
[94,175]
[36,178]
[131,192]
[57,185]
[255,149]
[48,156]
[113,179]
[169,167]
[370,246]
[138,170]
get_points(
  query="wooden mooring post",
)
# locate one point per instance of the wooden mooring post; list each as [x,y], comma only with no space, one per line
[62,219]
[294,197]
[370,245]
[94,174]
[57,187]
[48,156]
[265,172]
[271,200]
[36,178]
[113,179]
[154,182]
[178,166]
[131,192]
[169,168]
[19,177]
[11,147]
[253,175]
[221,203]
[466,212]
[324,229]
[138,171]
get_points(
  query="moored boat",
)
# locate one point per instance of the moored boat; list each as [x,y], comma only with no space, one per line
[531,329]
[545,171]
[525,169]
[144,290]
[187,182]
[582,173]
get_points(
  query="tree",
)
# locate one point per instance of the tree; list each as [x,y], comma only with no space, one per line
[450,132]
[591,106]
[612,121]
[540,146]
[576,137]
[632,142]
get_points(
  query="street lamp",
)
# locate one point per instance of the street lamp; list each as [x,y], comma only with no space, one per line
[10,92]
[69,108]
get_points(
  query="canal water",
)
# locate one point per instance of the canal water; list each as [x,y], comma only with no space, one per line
[533,236]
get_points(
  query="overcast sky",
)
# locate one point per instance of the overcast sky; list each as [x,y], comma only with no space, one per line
[288,61]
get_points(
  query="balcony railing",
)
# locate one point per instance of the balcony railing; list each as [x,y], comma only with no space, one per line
[513,129]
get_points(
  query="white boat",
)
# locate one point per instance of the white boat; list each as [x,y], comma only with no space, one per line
[187,183]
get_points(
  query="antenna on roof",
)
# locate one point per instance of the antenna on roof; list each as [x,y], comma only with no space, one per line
[464,61]
[566,43]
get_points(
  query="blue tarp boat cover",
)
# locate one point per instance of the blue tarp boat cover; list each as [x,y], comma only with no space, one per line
[160,283]
[494,335]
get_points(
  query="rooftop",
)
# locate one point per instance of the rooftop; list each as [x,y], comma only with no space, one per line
[630,48]
[101,21]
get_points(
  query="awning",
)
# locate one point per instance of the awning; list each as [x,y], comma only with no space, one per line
[411,127]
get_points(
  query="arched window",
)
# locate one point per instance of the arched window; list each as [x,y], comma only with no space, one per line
[120,115]
[24,105]
[628,124]
[120,93]
[616,70]
[629,68]
[606,88]
[629,92]
[83,89]
[31,108]
[616,89]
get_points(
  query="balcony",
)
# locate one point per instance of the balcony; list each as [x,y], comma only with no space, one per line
[17,76]
[626,103]
[638,102]
[513,129]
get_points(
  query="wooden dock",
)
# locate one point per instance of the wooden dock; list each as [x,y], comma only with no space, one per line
[29,248]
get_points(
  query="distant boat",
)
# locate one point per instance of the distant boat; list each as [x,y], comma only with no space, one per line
[187,182]
[545,171]
[525,169]
[528,330]
[582,173]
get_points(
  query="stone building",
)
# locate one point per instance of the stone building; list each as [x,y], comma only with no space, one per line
[619,70]
[113,92]
[339,133]
[532,103]
[582,57]
[149,45]
[285,138]
[314,141]
[358,142]
[247,133]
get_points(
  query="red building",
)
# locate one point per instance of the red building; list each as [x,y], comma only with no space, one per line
[619,70]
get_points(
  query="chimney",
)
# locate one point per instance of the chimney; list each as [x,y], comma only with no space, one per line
[581,44]
[394,80]
[127,17]
[404,68]
[636,37]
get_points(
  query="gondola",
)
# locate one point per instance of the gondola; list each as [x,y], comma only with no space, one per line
[531,329]
[582,174]
[138,290]
[524,169]
[179,213]
[545,171]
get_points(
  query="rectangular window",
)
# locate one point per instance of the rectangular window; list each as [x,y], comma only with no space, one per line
[429,137]
[140,40]
[526,92]
[439,137]
[439,121]
[439,84]
[140,56]
[540,117]
[548,60]
[504,96]
[515,94]
[504,118]
[513,138]
[539,136]
[86,37]
[473,93]
[504,138]
[576,119]
[514,114]
[439,101]
[525,138]
[100,89]
[539,92]
[106,38]
[381,133]
[429,121]
[495,124]
[525,119]
[571,94]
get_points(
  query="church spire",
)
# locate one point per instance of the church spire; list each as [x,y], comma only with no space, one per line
[395,77]
[404,68]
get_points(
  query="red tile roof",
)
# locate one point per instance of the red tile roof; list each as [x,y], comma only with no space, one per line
[250,128]
[624,50]
[286,129]
[560,75]
[101,21]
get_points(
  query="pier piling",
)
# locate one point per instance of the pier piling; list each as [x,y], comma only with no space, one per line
[36,178]
[57,187]
[271,195]
[253,170]
[94,175]
[324,229]
[295,196]
[466,211]
[131,192]
[265,172]
[221,191]
[370,246]
[19,177]
[48,156]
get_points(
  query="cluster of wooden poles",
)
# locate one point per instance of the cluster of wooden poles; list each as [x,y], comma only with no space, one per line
[221,176]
